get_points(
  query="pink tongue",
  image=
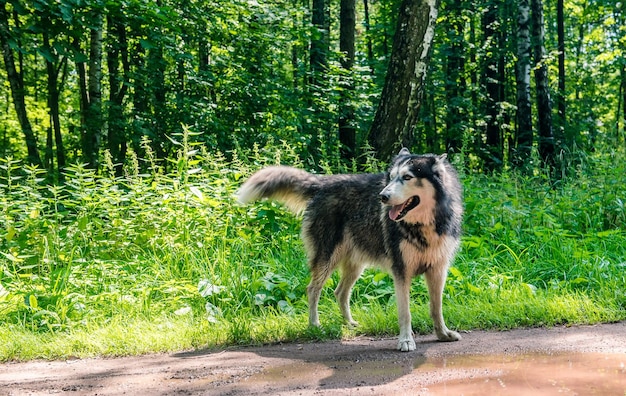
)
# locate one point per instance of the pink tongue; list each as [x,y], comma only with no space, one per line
[395,211]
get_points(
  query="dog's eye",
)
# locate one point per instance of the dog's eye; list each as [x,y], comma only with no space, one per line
[407,177]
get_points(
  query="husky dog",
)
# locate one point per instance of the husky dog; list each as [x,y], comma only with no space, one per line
[407,221]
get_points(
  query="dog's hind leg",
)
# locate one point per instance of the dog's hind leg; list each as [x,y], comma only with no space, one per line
[435,280]
[349,275]
[319,275]
[402,284]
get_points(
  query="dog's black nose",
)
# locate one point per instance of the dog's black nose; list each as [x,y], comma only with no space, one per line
[384,197]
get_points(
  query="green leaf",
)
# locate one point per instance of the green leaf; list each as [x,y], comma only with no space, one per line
[4,293]
[206,288]
[456,273]
[196,191]
[32,301]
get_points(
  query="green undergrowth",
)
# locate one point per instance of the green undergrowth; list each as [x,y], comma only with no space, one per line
[164,259]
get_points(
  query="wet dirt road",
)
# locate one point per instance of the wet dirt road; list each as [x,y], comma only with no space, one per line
[581,360]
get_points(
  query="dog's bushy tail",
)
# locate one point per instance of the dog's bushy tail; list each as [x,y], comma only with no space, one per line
[289,186]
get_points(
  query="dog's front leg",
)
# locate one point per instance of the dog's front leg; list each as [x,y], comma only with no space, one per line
[435,280]
[402,285]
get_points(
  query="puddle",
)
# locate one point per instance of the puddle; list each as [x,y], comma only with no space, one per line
[529,374]
[536,374]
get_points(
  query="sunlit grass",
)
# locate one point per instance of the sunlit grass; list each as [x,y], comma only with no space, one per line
[166,261]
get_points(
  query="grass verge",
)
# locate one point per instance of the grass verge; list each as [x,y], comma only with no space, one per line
[166,260]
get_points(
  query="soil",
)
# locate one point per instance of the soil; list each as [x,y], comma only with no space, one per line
[539,361]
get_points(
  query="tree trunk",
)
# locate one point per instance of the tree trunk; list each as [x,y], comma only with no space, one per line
[17,89]
[156,68]
[368,36]
[347,130]
[139,94]
[91,94]
[118,48]
[53,105]
[317,78]
[94,108]
[524,135]
[494,150]
[544,103]
[319,41]
[404,84]
[455,83]
[623,104]
[562,121]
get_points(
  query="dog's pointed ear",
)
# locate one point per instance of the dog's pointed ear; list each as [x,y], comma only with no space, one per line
[404,151]
[439,165]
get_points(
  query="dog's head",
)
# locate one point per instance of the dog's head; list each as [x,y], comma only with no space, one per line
[414,185]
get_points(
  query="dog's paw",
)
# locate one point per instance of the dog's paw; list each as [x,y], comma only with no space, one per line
[406,345]
[448,335]
[352,323]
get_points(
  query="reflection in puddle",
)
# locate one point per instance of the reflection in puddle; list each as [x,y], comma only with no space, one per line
[399,374]
[536,374]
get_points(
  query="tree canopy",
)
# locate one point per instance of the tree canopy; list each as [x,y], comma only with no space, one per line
[85,77]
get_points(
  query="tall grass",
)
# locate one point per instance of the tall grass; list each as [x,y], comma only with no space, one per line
[164,259]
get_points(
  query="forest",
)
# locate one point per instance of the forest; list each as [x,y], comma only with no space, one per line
[126,127]
[508,81]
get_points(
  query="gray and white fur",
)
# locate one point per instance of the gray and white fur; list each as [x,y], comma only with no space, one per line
[406,221]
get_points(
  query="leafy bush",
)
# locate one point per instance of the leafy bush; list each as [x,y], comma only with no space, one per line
[171,251]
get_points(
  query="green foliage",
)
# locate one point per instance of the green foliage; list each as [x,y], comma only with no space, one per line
[155,261]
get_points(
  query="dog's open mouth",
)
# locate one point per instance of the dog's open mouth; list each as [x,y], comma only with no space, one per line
[397,212]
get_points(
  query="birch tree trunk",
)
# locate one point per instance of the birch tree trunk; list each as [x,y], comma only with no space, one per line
[524,135]
[118,86]
[560,27]
[91,94]
[404,84]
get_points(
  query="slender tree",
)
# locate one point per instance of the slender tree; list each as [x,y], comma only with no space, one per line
[544,103]
[455,81]
[16,83]
[404,84]
[347,130]
[53,69]
[318,61]
[492,83]
[368,36]
[90,82]
[118,87]
[560,27]
[524,133]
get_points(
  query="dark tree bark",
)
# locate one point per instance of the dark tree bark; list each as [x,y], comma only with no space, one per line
[16,83]
[368,37]
[404,84]
[347,130]
[318,62]
[544,103]
[117,53]
[319,41]
[455,83]
[156,68]
[524,135]
[91,93]
[494,149]
[53,105]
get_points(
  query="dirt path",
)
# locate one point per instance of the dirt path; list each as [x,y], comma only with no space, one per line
[574,360]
